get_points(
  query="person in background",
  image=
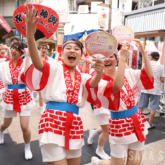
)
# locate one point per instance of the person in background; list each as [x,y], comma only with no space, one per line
[44,49]
[14,40]
[55,54]
[17,98]
[153,94]
[5,55]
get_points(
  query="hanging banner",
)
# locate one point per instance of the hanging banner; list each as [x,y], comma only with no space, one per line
[103,13]
[5,25]
[100,43]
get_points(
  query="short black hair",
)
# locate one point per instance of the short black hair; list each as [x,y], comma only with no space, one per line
[19,45]
[25,46]
[155,55]
[14,38]
[119,47]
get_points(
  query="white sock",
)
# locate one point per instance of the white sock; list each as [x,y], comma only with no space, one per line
[28,153]
[1,137]
[42,109]
[101,153]
[31,94]
[92,134]
[39,107]
[100,148]
[95,160]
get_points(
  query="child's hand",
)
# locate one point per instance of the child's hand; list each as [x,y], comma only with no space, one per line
[31,22]
[98,65]
[139,46]
[124,52]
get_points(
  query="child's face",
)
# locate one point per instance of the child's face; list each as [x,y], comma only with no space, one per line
[2,50]
[43,50]
[71,54]
[110,63]
[15,53]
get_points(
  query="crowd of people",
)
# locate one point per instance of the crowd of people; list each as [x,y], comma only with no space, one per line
[107,83]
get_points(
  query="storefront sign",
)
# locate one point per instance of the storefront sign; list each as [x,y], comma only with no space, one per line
[5,25]
[100,43]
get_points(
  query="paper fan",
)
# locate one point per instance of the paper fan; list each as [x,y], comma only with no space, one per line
[123,34]
[100,43]
[46,26]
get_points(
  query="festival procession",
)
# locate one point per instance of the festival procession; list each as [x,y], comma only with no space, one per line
[82,82]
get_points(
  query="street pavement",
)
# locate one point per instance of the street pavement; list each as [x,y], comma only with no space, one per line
[154,153]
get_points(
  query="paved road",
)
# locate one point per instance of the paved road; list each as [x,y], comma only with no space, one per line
[154,153]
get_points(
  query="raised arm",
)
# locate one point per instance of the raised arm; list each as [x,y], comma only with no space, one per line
[147,64]
[27,61]
[119,78]
[31,23]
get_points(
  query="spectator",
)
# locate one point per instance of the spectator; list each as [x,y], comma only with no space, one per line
[153,94]
[14,40]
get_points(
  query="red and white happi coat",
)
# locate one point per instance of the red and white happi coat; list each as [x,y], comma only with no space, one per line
[98,109]
[15,99]
[57,126]
[2,88]
[47,58]
[130,129]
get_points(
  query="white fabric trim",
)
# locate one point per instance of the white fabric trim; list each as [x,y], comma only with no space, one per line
[49,137]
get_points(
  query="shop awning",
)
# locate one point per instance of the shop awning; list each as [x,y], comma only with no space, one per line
[146,19]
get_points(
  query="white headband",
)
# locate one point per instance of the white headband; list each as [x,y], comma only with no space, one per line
[69,42]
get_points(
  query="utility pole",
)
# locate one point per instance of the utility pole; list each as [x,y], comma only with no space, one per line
[16,3]
[110,8]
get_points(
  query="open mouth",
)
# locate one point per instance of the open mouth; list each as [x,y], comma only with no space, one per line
[107,65]
[71,58]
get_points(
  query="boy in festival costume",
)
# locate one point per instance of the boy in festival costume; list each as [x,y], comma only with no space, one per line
[127,126]
[64,90]
[4,50]
[17,98]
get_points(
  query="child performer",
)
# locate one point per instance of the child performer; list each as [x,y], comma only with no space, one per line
[102,115]
[44,57]
[17,98]
[4,50]
[63,90]
[127,126]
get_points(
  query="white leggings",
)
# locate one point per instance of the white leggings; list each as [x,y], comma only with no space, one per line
[53,152]
[120,150]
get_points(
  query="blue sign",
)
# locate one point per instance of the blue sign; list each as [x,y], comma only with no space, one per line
[16,33]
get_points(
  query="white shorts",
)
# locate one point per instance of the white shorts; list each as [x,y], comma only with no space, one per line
[53,152]
[103,119]
[120,150]
[11,114]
